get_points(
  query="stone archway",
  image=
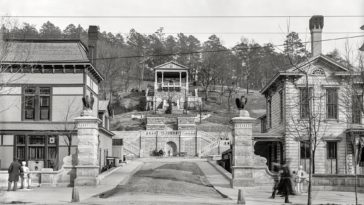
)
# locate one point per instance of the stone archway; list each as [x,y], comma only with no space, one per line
[171,149]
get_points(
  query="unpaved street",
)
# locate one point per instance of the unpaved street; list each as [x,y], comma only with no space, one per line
[164,183]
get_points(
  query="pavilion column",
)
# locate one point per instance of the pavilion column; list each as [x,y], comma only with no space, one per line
[155,81]
[162,78]
[180,79]
[187,82]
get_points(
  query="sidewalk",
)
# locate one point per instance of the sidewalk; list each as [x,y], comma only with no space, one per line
[260,195]
[61,195]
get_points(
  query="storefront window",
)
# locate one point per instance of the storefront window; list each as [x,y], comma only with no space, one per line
[37,148]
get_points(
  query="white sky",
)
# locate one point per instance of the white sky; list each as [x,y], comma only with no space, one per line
[196,26]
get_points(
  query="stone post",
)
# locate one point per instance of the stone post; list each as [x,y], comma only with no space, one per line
[87,168]
[242,151]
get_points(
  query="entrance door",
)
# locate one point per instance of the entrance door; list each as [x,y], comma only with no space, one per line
[171,149]
[331,162]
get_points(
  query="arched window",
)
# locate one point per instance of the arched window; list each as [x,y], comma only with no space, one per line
[318,71]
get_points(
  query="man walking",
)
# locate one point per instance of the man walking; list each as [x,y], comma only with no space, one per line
[285,185]
[14,172]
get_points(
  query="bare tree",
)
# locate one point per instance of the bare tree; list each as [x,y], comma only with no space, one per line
[352,103]
[69,127]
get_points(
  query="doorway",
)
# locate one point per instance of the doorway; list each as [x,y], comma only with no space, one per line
[171,149]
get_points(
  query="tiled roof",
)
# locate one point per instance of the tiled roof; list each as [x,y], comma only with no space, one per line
[51,51]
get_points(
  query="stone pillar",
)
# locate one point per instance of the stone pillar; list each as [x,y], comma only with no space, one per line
[242,151]
[87,168]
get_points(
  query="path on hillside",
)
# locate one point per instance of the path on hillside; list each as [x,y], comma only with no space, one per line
[165,182]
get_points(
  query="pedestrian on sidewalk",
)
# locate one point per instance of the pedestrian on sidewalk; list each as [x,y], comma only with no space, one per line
[25,176]
[276,178]
[14,172]
[301,177]
[285,186]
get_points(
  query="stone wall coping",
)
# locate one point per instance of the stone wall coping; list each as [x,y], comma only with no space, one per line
[337,175]
[248,167]
[243,120]
[37,172]
[87,118]
[87,166]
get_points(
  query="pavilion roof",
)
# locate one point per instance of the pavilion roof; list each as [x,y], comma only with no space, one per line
[171,65]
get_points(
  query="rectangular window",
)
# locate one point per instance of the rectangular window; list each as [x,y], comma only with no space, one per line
[305,149]
[269,112]
[331,150]
[117,142]
[305,101]
[331,103]
[37,103]
[357,103]
[361,162]
[281,106]
[305,155]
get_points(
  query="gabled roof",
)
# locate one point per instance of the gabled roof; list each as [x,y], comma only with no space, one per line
[319,57]
[171,65]
[294,71]
[44,51]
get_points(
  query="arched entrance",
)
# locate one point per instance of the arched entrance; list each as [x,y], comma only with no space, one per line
[171,149]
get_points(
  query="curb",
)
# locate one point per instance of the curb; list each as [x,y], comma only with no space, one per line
[122,182]
[127,178]
[221,170]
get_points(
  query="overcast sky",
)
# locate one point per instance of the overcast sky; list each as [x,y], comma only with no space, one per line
[230,30]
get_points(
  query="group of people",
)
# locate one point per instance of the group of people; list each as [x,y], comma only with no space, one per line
[17,170]
[286,182]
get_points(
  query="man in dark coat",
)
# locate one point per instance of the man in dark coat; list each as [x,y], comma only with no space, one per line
[14,172]
[285,185]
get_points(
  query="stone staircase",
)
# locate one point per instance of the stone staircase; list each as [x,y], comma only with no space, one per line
[211,143]
[131,147]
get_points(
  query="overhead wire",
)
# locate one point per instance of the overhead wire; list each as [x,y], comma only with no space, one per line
[175,16]
[220,50]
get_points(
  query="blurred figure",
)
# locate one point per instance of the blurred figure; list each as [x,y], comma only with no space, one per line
[14,172]
[25,175]
[285,185]
[301,177]
[276,178]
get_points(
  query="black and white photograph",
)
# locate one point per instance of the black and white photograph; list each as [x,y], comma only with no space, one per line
[182,102]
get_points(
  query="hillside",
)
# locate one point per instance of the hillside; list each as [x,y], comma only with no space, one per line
[216,106]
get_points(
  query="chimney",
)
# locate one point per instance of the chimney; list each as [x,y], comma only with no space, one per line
[316,25]
[93,36]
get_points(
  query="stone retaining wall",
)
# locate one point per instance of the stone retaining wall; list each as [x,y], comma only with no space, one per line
[337,182]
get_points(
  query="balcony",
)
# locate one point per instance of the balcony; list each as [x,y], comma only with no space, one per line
[170,86]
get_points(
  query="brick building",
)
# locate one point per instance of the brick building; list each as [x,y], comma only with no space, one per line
[42,85]
[335,108]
